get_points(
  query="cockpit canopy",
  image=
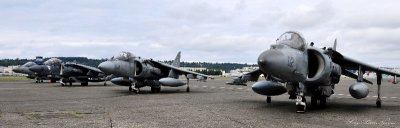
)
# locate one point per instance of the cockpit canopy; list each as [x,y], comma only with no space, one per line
[28,64]
[125,56]
[53,61]
[293,40]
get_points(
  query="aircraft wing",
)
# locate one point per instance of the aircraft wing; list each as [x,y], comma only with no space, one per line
[81,66]
[177,69]
[351,64]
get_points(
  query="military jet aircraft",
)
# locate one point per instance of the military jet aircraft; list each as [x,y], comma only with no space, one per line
[136,72]
[74,72]
[237,81]
[49,70]
[309,71]
[242,80]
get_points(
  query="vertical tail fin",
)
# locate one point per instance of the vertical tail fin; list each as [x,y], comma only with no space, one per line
[175,63]
[334,44]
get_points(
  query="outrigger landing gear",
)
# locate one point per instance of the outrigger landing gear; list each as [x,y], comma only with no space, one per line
[379,81]
[187,85]
[301,100]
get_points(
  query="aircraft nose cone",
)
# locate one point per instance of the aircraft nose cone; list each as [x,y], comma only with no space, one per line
[17,70]
[269,60]
[107,67]
[35,68]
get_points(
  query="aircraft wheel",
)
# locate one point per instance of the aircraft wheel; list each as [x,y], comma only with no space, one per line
[269,99]
[105,84]
[301,106]
[70,83]
[85,84]
[36,81]
[314,101]
[187,89]
[41,81]
[378,104]
[130,89]
[322,101]
[153,90]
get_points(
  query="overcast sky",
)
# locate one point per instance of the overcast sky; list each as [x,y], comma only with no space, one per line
[204,30]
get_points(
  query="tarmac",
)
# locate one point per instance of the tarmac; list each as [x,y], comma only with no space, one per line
[209,104]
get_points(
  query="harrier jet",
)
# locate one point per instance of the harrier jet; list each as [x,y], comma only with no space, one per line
[309,71]
[74,72]
[49,70]
[137,72]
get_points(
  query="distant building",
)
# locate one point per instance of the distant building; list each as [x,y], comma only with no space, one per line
[239,72]
[193,68]
[7,71]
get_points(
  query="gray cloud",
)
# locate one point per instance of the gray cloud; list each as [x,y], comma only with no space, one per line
[204,30]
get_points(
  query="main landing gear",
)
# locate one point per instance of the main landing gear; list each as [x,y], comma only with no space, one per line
[321,99]
[133,89]
[155,89]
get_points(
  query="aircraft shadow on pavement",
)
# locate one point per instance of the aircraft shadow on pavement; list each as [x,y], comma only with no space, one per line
[163,92]
[336,106]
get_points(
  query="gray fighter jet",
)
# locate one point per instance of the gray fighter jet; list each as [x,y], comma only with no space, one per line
[74,72]
[242,80]
[309,71]
[136,72]
[50,70]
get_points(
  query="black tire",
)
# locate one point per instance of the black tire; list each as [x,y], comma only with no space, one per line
[378,104]
[85,84]
[269,99]
[130,89]
[187,89]
[322,101]
[314,101]
[300,109]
